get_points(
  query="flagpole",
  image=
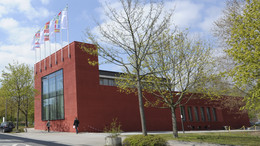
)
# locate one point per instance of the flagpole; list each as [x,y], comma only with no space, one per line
[40,60]
[50,53]
[61,45]
[35,58]
[68,31]
[44,55]
[55,49]
[51,31]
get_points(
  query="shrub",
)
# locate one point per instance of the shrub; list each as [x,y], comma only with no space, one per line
[21,129]
[114,129]
[141,140]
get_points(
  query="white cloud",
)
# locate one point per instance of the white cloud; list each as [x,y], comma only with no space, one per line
[197,15]
[85,16]
[17,34]
[211,14]
[22,7]
[3,11]
[111,3]
[23,53]
[45,2]
[8,23]
[20,53]
[206,24]
[15,44]
[187,13]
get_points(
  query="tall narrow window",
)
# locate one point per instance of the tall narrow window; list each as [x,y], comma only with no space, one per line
[111,82]
[190,113]
[183,113]
[202,113]
[214,114]
[196,113]
[105,81]
[52,96]
[208,114]
[101,81]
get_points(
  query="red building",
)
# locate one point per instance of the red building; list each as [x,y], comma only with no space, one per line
[70,88]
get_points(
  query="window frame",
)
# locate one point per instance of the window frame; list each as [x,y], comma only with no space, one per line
[208,114]
[183,114]
[202,112]
[58,112]
[214,113]
[196,113]
[190,113]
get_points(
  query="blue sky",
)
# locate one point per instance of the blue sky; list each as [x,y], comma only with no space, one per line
[20,19]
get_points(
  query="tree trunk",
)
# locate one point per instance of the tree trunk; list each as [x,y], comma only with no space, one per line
[12,113]
[26,112]
[26,120]
[141,106]
[174,123]
[17,118]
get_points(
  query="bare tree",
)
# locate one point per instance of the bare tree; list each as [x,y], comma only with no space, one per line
[223,25]
[127,38]
[178,67]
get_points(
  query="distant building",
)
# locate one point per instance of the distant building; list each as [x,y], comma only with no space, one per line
[72,88]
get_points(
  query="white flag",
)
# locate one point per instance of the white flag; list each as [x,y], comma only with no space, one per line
[64,19]
[33,44]
[51,28]
[41,36]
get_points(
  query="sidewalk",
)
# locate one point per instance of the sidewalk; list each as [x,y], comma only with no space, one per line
[96,139]
[66,138]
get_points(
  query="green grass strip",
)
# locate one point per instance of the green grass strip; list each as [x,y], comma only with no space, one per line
[229,138]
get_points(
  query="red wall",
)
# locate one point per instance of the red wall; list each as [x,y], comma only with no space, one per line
[69,75]
[96,105]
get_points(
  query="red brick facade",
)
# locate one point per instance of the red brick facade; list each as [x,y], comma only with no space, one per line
[96,105]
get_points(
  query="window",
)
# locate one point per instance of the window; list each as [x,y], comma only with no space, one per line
[183,113]
[111,82]
[214,114]
[208,114]
[190,113]
[105,81]
[108,82]
[52,96]
[202,113]
[101,82]
[196,113]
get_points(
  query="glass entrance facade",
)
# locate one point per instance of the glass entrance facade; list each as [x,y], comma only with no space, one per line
[53,96]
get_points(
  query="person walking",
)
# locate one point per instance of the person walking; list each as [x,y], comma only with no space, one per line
[48,125]
[76,124]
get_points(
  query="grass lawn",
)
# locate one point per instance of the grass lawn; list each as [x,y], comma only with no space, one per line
[250,138]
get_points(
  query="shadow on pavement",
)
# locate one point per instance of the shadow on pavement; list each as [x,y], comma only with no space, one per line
[16,139]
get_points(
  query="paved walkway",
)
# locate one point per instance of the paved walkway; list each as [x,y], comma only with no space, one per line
[66,138]
[91,139]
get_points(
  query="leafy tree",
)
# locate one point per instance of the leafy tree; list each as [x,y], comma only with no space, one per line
[127,38]
[180,64]
[17,85]
[245,50]
[2,104]
[220,82]
[243,43]
[223,25]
